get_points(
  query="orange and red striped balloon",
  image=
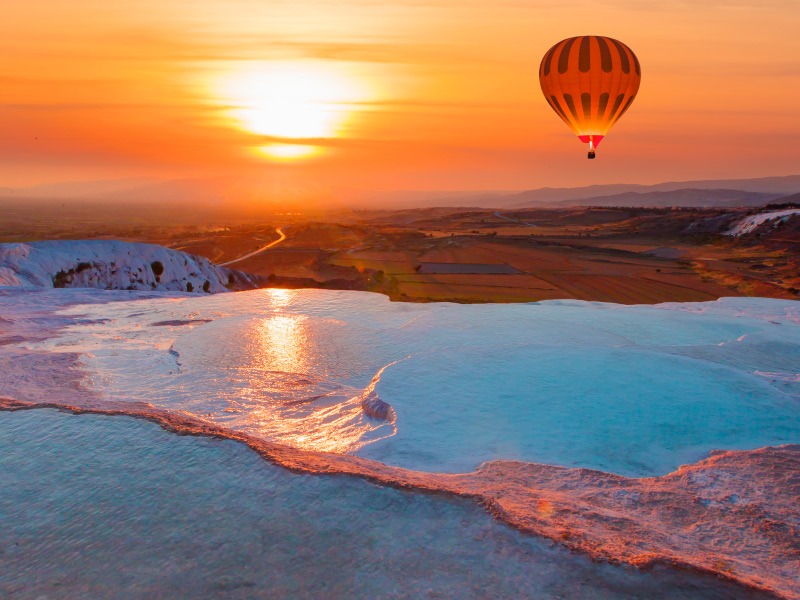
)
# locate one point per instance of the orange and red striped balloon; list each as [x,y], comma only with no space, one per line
[590,81]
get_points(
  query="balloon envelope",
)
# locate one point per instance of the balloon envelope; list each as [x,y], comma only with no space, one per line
[590,81]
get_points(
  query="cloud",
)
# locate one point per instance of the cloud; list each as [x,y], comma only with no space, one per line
[152,46]
[694,5]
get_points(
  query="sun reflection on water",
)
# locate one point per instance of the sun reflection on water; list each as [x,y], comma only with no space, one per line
[287,397]
[283,344]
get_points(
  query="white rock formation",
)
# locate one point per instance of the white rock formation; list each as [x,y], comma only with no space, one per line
[114,265]
[752,222]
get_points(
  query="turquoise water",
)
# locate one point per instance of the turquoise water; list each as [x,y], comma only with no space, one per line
[112,507]
[628,410]
[635,390]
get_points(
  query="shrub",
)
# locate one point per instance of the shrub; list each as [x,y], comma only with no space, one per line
[189,286]
[207,287]
[61,280]
[158,268]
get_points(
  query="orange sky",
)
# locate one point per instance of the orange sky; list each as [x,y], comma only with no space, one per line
[412,94]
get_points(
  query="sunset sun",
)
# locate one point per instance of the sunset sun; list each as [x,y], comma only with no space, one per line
[290,103]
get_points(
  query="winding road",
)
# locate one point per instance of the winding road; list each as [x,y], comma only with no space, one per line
[502,216]
[282,237]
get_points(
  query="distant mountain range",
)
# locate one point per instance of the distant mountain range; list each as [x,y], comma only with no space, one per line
[215,192]
[707,193]
[683,197]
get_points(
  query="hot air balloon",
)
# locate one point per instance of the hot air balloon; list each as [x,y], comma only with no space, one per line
[590,81]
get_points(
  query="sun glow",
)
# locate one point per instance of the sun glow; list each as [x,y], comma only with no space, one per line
[296,100]
[289,151]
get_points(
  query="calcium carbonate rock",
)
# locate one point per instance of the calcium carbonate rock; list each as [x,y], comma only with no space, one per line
[114,265]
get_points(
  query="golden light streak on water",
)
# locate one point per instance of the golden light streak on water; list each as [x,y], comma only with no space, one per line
[283,343]
[284,401]
[280,297]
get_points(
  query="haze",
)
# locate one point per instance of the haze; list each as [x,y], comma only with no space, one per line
[322,98]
